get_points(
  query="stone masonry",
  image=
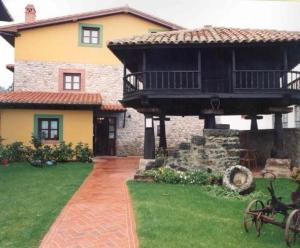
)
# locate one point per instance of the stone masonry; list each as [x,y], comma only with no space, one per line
[216,150]
[106,80]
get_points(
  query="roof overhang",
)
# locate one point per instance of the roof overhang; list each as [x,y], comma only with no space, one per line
[4,14]
[8,32]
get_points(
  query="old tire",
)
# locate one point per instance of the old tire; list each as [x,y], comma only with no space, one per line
[239,179]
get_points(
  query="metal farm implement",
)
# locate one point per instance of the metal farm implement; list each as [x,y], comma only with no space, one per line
[257,214]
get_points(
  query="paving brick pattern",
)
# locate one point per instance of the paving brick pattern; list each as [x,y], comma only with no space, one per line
[99,214]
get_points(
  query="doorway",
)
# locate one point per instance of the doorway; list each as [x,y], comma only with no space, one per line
[105,136]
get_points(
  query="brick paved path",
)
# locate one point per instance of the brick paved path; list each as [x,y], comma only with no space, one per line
[99,213]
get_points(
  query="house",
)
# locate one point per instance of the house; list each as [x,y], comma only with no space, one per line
[67,83]
[209,72]
[4,14]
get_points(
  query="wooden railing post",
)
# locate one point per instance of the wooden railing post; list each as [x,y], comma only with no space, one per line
[233,70]
[124,79]
[285,66]
[199,78]
[144,70]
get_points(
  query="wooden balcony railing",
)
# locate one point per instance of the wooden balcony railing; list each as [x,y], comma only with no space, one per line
[239,80]
[266,80]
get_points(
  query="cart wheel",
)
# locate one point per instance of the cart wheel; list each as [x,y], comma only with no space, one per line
[251,220]
[292,227]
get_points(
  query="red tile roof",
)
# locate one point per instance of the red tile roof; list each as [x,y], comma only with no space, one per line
[209,35]
[88,15]
[117,107]
[50,98]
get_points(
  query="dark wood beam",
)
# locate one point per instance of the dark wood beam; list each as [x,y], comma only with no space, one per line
[233,68]
[199,69]
[282,110]
[285,67]
[149,139]
[162,133]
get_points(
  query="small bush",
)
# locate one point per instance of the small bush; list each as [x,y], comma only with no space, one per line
[83,153]
[63,152]
[169,175]
[16,152]
[222,192]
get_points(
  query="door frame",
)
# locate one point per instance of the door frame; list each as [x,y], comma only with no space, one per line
[95,133]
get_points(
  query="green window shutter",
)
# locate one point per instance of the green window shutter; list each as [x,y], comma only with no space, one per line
[49,116]
[80,33]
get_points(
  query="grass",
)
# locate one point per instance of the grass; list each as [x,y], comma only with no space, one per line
[31,198]
[186,216]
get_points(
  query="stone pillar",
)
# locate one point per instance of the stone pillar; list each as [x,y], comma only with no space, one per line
[278,148]
[253,118]
[149,139]
[254,126]
[162,133]
[210,122]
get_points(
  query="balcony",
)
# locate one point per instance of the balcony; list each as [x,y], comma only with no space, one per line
[185,82]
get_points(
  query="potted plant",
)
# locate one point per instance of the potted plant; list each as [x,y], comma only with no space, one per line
[4,156]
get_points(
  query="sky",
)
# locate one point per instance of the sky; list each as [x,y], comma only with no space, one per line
[281,15]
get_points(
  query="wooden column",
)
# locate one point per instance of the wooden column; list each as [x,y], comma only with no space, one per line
[278,148]
[124,80]
[162,133]
[285,67]
[199,70]
[233,85]
[144,68]
[149,139]
[210,122]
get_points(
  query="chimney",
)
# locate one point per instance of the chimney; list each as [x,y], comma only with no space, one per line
[30,13]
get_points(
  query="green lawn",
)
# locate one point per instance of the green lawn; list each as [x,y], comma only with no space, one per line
[185,216]
[31,198]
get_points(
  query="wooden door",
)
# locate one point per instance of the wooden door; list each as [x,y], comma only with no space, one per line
[105,136]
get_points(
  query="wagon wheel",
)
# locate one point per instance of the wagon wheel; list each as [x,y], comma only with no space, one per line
[251,220]
[292,227]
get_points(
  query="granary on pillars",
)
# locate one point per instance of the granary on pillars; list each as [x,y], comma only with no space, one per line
[211,71]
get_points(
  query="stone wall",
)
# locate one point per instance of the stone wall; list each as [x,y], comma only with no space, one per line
[106,80]
[216,149]
[262,142]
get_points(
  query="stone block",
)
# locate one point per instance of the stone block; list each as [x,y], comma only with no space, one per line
[279,167]
[198,140]
[220,133]
[184,146]
[145,163]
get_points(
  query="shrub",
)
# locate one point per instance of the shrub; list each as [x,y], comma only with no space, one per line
[36,141]
[16,152]
[169,175]
[83,153]
[63,152]
[222,192]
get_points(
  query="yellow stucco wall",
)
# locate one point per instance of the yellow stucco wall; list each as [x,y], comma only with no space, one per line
[17,125]
[60,42]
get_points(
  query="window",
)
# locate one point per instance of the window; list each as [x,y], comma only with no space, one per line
[297,116]
[48,128]
[90,35]
[72,81]
[285,120]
